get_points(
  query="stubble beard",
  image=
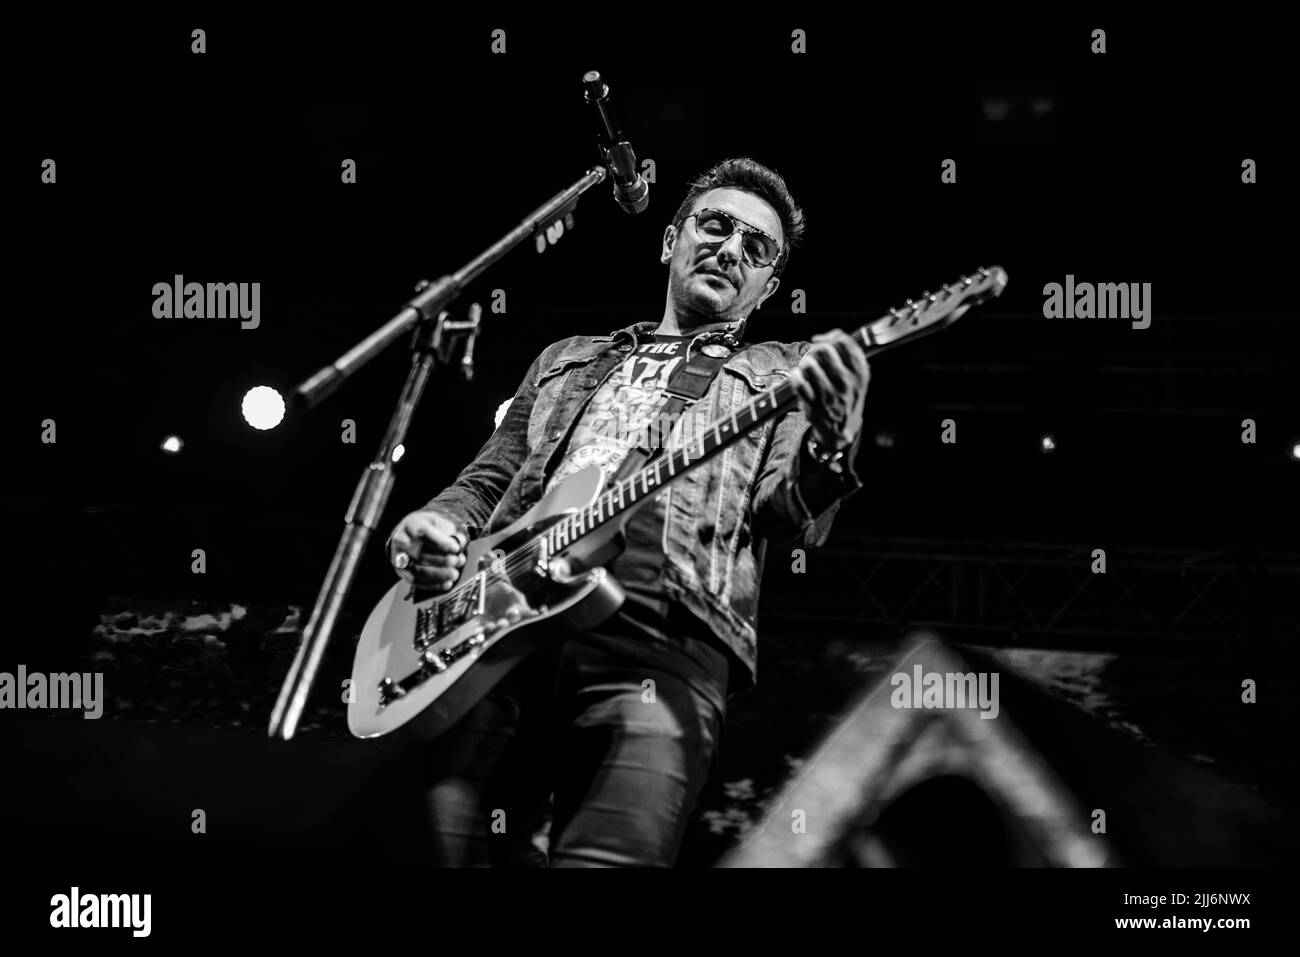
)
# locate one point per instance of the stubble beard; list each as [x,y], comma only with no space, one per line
[695,306]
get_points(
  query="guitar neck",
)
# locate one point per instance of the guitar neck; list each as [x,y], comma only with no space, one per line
[627,494]
[917,318]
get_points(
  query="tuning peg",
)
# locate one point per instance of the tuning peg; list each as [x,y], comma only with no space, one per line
[568,221]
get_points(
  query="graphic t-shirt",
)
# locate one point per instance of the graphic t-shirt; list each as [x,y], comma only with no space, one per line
[624,406]
[624,412]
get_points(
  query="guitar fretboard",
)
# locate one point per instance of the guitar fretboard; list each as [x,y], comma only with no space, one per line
[636,488]
[897,326]
[919,317]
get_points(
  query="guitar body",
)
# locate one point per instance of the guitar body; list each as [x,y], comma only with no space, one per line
[428,657]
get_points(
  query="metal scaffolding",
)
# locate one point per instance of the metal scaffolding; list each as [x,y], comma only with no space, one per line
[1048,595]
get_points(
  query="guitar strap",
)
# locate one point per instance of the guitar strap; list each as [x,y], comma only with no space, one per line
[688,382]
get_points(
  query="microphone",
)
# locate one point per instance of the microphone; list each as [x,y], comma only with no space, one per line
[631,191]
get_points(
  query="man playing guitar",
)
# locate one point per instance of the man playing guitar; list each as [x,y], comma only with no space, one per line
[616,731]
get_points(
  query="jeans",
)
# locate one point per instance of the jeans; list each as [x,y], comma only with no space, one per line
[577,734]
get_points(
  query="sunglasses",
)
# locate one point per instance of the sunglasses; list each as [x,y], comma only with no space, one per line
[713,226]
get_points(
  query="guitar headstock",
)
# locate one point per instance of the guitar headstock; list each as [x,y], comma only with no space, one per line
[936,310]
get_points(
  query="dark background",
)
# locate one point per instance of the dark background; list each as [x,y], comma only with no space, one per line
[225,167]
[1122,167]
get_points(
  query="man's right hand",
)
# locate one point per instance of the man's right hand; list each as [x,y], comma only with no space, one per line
[435,547]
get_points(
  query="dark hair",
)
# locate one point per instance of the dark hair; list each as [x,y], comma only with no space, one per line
[746,174]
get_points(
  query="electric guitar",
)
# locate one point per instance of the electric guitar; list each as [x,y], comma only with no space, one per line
[434,657]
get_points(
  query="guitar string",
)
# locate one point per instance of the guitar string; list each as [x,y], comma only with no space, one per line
[522,556]
[518,560]
[752,409]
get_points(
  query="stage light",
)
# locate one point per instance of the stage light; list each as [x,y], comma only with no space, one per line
[172,444]
[885,440]
[501,412]
[1046,444]
[1295,451]
[263,408]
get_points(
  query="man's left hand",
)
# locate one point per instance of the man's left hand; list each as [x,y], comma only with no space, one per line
[831,381]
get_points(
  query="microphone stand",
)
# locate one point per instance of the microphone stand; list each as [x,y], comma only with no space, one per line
[433,340]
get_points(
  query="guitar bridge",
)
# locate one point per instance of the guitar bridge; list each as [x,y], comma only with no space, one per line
[432,663]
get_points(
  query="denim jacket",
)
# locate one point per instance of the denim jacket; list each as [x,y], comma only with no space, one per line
[762,488]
